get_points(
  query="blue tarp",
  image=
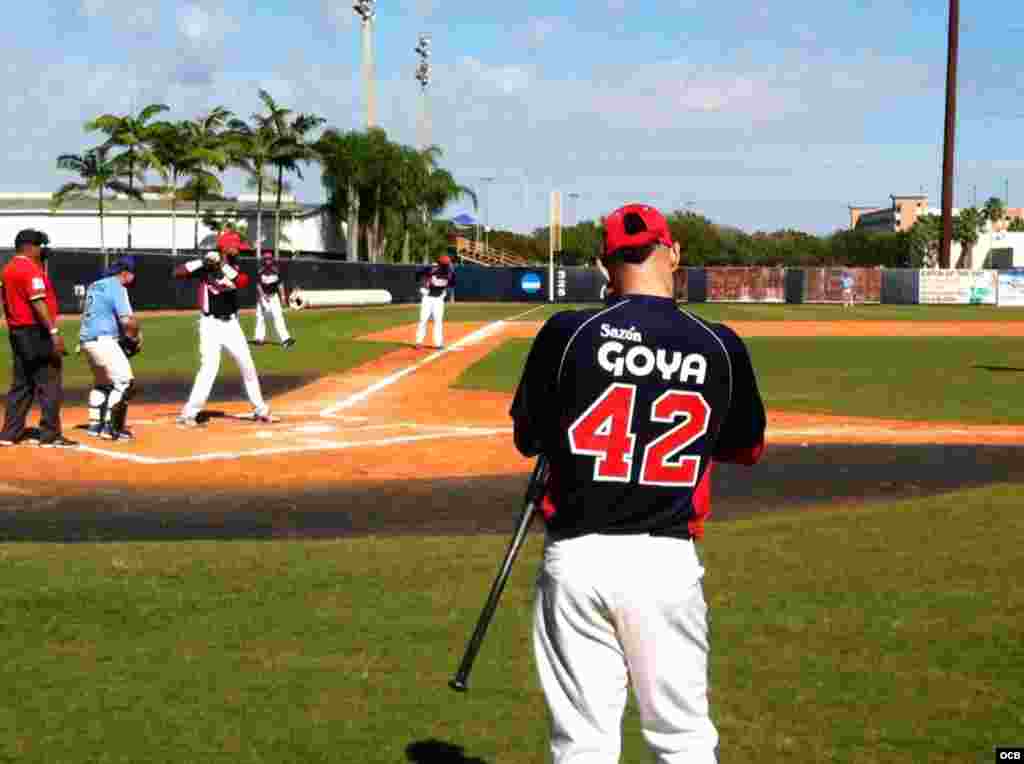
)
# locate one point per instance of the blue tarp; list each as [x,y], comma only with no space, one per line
[464,219]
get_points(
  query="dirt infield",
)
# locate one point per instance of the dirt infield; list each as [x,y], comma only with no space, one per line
[389,447]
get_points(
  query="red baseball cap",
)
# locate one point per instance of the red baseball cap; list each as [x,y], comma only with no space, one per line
[231,239]
[635,226]
[444,260]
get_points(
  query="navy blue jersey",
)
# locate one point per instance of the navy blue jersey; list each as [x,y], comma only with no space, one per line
[270,279]
[631,403]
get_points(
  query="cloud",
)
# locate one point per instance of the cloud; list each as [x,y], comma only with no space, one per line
[540,29]
[339,13]
[203,29]
[133,14]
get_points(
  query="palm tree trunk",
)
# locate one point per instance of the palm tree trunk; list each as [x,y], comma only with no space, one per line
[277,211]
[131,186]
[174,214]
[103,241]
[352,245]
[196,221]
[376,252]
[259,213]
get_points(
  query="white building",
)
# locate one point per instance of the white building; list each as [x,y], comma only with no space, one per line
[76,223]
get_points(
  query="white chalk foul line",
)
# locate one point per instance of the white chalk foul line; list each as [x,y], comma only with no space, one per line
[318,445]
[479,334]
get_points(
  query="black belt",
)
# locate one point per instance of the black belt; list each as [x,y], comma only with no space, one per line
[220,318]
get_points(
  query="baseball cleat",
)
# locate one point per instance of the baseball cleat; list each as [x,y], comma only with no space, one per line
[258,342]
[59,442]
[267,418]
[187,421]
[289,342]
[94,430]
[111,434]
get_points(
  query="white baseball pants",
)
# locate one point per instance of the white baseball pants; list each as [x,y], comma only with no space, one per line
[431,308]
[112,373]
[216,335]
[270,306]
[599,628]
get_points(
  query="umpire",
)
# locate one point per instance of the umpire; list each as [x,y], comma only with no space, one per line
[30,304]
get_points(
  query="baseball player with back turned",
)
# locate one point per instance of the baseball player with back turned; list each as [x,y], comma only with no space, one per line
[270,291]
[631,403]
[219,280]
[436,283]
[108,327]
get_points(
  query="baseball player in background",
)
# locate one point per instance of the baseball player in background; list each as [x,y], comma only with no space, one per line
[108,328]
[271,293]
[847,285]
[631,403]
[219,279]
[434,289]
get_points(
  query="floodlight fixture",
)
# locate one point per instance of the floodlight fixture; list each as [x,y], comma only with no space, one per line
[365,9]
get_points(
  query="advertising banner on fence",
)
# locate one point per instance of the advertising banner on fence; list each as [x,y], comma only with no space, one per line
[958,287]
[826,284]
[746,284]
[1011,289]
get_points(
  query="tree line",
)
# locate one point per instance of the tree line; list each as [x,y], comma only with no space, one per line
[387,194]
[711,244]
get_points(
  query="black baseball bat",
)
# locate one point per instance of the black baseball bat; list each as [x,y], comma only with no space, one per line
[534,492]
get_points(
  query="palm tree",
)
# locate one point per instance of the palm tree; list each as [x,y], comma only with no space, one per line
[207,150]
[343,157]
[99,174]
[994,210]
[133,132]
[170,145]
[291,148]
[252,149]
[965,231]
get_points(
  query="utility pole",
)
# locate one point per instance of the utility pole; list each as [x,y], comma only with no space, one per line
[365,11]
[950,135]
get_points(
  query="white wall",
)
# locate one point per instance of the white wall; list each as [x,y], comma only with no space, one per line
[153,231]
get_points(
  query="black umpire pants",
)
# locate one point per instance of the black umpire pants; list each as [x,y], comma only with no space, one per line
[38,371]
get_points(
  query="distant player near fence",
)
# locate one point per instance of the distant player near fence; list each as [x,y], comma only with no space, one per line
[434,289]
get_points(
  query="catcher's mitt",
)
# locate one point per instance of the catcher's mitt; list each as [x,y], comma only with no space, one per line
[130,345]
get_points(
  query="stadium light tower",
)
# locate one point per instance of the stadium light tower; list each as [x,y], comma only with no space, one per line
[366,11]
[423,72]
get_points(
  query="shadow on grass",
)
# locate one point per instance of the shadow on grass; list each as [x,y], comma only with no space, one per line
[439,752]
[1016,369]
[789,477]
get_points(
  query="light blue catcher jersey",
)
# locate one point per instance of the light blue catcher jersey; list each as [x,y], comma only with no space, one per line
[105,300]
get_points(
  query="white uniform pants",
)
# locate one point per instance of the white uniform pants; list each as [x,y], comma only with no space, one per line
[270,306]
[111,370]
[216,335]
[431,308]
[600,627]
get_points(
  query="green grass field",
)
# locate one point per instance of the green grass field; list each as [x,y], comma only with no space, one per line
[961,379]
[889,633]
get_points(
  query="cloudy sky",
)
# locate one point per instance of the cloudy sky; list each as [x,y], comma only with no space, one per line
[760,115]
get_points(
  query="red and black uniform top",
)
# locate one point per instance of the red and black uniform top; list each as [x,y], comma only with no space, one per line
[439,279]
[270,278]
[22,282]
[217,286]
[631,404]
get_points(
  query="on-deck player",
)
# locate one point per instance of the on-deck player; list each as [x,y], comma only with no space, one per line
[271,295]
[219,280]
[631,403]
[436,283]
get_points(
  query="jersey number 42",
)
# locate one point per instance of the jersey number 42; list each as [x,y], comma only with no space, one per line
[605,431]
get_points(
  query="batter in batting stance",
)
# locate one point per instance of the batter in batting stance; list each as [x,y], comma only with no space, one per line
[219,281]
[110,331]
[270,290]
[631,404]
[436,283]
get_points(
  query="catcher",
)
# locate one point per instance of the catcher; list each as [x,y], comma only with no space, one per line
[109,336]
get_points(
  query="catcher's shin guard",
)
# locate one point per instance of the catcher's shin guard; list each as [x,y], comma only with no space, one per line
[99,397]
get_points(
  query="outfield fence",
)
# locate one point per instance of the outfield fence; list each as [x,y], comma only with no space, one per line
[156,288]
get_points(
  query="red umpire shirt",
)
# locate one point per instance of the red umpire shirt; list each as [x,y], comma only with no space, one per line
[631,403]
[23,281]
